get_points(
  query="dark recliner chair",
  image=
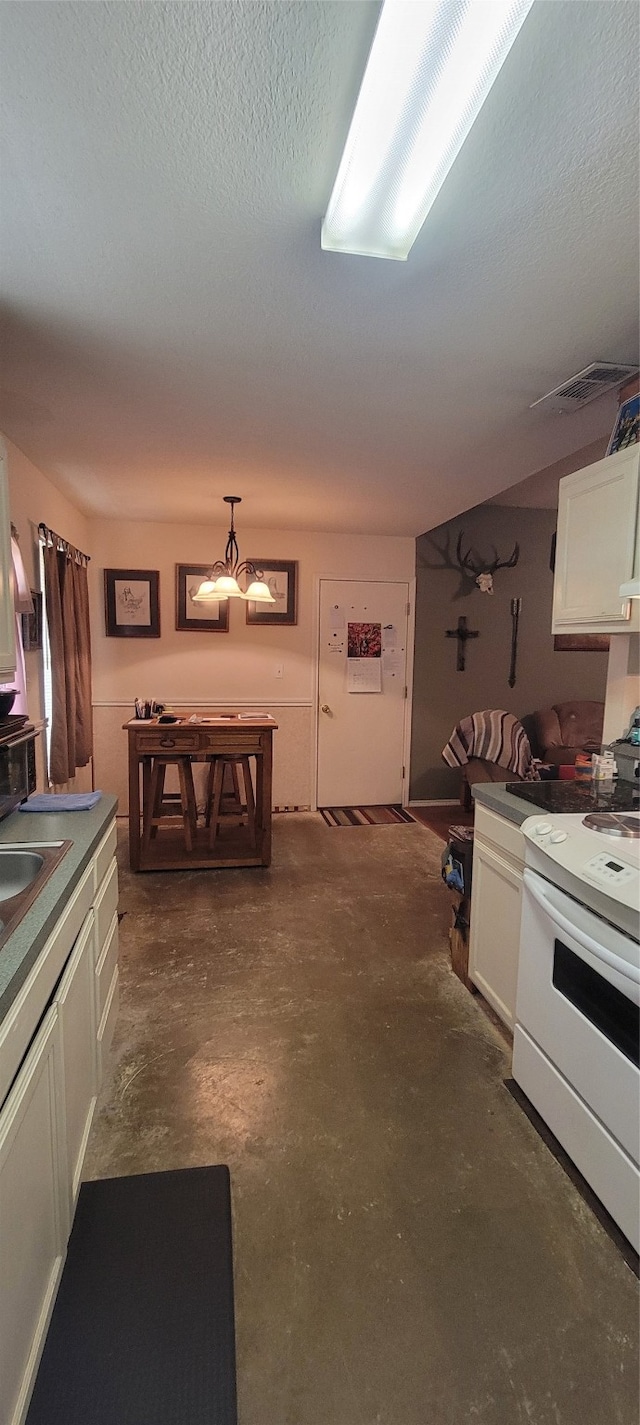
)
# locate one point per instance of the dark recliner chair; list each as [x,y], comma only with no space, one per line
[566,729]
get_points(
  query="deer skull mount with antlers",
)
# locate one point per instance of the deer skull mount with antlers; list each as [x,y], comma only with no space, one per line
[472,568]
[483,572]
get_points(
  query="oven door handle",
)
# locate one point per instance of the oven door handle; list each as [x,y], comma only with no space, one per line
[630,972]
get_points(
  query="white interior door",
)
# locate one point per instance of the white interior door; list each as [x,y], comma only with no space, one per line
[360,732]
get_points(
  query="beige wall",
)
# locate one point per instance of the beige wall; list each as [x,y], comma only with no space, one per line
[34,499]
[194,671]
[540,491]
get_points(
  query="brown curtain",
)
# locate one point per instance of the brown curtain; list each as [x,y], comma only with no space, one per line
[67,599]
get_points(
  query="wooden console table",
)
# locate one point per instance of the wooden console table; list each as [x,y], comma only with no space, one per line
[236,735]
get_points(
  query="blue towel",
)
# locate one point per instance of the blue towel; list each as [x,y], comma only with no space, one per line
[61,801]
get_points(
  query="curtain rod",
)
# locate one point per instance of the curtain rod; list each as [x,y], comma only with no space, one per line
[50,537]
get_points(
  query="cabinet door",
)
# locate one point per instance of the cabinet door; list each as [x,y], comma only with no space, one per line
[34,1221]
[76,1009]
[494,935]
[596,545]
[7,614]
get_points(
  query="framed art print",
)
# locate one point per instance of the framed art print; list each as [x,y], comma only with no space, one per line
[199,618]
[281,575]
[132,603]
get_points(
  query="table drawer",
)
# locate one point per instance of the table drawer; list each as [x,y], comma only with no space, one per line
[168,739]
[246,745]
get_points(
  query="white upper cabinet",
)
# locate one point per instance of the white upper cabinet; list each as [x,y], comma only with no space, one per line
[597,546]
[7,616]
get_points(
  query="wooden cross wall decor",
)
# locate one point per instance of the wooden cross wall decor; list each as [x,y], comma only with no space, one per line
[462,633]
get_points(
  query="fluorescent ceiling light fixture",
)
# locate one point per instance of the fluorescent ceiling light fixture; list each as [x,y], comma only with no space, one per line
[431,66]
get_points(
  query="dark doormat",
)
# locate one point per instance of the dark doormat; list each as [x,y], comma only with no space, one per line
[142,1331]
[586,1192]
[364,816]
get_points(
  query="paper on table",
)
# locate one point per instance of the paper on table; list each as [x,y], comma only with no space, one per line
[364,675]
[232,717]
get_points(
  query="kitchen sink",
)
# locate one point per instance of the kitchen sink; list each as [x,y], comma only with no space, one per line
[18,871]
[24,870]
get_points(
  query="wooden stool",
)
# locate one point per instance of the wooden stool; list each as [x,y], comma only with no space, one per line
[243,802]
[155,810]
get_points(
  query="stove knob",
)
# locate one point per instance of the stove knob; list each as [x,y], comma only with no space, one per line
[542,829]
[557,836]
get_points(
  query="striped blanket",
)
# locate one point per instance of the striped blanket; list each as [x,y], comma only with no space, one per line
[496,737]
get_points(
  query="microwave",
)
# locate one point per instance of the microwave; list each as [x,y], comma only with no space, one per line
[17,765]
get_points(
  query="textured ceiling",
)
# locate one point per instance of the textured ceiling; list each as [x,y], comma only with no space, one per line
[172,329]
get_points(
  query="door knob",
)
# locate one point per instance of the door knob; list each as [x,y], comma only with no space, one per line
[326,708]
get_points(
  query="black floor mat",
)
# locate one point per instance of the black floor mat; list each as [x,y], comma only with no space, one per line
[142,1332]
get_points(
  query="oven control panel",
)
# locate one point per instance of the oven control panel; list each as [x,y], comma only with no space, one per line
[608,871]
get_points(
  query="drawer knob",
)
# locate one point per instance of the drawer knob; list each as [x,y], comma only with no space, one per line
[167,741]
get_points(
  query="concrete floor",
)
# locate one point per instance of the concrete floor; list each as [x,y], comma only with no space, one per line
[407,1251]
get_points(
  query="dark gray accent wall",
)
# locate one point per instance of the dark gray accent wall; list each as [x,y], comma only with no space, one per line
[441,696]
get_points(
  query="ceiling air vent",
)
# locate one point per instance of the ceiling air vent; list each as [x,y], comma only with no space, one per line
[586,385]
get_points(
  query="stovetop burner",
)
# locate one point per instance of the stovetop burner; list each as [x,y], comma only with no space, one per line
[612,824]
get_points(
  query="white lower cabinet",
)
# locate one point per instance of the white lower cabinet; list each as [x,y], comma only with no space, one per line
[77,1012]
[45,1122]
[34,1214]
[496,898]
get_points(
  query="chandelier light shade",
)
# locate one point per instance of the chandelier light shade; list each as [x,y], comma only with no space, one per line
[222,579]
[431,66]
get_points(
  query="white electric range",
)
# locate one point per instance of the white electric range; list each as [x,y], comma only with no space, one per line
[576,1040]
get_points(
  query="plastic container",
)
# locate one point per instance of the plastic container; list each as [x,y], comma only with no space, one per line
[583,767]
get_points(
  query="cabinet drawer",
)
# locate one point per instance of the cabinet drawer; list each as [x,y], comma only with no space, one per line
[20,1023]
[105,906]
[105,967]
[104,855]
[167,740]
[502,834]
[107,1024]
[75,1000]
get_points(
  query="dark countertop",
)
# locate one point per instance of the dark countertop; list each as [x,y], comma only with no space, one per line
[518,800]
[86,830]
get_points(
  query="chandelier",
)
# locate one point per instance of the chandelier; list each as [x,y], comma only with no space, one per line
[222,579]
